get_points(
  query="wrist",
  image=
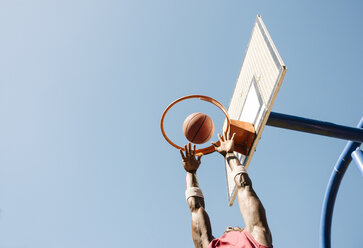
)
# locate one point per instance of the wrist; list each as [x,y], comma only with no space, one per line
[229,153]
[230,156]
[191,172]
[191,179]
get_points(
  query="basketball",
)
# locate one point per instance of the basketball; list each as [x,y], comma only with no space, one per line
[198,128]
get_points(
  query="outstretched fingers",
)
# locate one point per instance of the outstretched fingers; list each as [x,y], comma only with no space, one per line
[190,151]
[226,134]
[182,154]
[186,151]
[220,138]
[193,151]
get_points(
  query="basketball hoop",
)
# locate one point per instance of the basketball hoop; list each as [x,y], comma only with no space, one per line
[205,150]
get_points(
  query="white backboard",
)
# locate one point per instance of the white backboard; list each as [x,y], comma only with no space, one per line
[256,89]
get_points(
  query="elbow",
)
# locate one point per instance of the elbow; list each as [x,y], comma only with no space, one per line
[243,180]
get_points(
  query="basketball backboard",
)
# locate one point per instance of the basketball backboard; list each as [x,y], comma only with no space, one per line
[256,89]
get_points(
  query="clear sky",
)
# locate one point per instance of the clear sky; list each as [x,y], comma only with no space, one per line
[82,88]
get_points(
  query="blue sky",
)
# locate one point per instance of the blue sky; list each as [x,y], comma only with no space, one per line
[82,88]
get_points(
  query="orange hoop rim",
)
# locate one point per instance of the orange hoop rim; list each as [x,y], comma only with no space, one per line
[205,150]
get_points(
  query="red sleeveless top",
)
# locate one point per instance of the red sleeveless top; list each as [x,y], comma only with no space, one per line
[236,239]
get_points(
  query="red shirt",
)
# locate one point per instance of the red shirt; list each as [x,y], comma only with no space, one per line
[236,239]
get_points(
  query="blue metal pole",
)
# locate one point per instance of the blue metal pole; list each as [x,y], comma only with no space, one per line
[357,156]
[332,190]
[314,126]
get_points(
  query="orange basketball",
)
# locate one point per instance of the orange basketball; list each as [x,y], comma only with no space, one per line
[198,128]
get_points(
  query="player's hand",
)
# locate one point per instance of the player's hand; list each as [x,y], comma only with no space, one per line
[190,162]
[226,143]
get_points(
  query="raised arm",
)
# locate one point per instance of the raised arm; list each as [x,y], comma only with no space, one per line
[201,227]
[251,208]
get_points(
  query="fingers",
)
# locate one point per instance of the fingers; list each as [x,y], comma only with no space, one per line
[189,151]
[186,151]
[182,154]
[234,134]
[226,134]
[199,158]
[229,134]
[220,138]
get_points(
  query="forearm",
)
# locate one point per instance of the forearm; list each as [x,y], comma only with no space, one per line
[250,205]
[201,227]
[232,160]
[241,179]
[191,179]
[194,202]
